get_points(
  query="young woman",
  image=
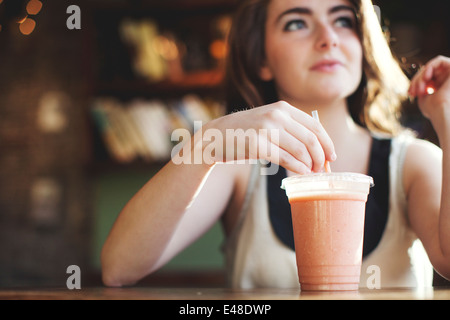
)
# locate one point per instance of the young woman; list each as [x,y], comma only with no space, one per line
[288,58]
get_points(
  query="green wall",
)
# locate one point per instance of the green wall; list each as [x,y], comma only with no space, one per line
[113,190]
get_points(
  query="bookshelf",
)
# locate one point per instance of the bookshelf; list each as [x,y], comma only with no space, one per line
[179,82]
[153,53]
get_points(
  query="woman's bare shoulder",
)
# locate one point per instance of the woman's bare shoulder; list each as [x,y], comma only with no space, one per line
[423,159]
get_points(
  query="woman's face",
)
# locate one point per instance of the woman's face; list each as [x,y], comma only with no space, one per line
[313,52]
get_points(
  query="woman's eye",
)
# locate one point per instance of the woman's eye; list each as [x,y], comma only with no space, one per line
[345,22]
[294,25]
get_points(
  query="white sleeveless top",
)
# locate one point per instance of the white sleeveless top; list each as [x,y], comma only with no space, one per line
[255,256]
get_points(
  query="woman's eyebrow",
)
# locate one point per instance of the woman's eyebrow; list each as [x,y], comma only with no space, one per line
[303,10]
[299,10]
[341,8]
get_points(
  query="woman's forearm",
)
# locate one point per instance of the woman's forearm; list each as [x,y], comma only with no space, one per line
[147,222]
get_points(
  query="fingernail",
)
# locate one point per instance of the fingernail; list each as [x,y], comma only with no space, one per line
[333,156]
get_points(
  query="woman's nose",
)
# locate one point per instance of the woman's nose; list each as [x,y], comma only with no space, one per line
[327,38]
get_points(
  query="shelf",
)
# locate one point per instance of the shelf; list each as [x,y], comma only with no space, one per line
[208,80]
[192,25]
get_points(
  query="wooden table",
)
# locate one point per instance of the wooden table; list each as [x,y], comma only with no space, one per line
[149,293]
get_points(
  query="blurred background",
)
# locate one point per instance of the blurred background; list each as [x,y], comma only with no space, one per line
[88,100]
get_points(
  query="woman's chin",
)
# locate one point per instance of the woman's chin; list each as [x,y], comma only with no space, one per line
[333,87]
[329,96]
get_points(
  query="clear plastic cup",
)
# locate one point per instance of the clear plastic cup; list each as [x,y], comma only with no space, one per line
[328,212]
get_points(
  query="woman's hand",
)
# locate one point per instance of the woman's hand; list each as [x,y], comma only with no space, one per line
[279,133]
[431,86]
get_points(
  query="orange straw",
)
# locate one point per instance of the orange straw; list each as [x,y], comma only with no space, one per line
[315,115]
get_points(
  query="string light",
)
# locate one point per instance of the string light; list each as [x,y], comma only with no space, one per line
[27,24]
[34,6]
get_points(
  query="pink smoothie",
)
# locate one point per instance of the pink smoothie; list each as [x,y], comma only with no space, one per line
[328,233]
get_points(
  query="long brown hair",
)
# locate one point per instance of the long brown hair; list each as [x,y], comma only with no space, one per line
[374,105]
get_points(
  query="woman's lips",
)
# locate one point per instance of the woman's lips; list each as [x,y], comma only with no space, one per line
[326,66]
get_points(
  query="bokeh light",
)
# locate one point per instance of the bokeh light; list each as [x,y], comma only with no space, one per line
[27,26]
[34,6]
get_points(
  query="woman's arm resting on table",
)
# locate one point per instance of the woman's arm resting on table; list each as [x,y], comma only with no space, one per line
[171,211]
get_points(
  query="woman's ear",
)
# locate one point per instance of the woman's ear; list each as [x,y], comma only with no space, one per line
[265,73]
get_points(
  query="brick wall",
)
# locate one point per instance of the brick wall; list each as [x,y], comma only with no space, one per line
[44,191]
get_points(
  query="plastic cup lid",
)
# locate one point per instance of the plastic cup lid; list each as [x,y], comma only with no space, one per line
[322,183]
[327,177]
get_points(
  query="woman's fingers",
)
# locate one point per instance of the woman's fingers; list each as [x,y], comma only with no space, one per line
[430,77]
[309,142]
[301,136]
[279,133]
[296,148]
[271,151]
[319,135]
